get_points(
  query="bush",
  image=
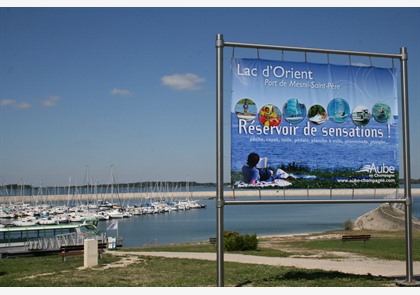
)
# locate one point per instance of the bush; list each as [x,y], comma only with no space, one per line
[348,224]
[235,242]
[230,234]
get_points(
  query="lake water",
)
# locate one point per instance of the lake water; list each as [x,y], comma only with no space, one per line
[196,225]
[320,155]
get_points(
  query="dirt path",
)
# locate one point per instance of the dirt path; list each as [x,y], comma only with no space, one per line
[351,264]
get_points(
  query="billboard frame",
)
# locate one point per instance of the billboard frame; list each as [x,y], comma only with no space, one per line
[221,202]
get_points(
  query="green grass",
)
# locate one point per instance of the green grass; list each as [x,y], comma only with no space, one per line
[382,245]
[382,248]
[324,179]
[50,271]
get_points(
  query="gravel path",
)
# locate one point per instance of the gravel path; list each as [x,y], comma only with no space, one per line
[354,265]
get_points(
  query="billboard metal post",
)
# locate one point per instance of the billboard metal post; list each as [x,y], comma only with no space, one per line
[219,161]
[407,174]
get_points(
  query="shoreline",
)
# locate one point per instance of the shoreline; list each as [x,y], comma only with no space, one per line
[377,193]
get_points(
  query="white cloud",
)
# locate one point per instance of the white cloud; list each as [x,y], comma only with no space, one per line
[7,102]
[50,101]
[121,92]
[23,105]
[183,81]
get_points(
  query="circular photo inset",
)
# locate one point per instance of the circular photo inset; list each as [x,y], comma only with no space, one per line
[339,110]
[381,112]
[293,111]
[270,115]
[246,109]
[317,114]
[360,115]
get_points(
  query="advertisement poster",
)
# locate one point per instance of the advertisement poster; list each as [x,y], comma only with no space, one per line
[313,125]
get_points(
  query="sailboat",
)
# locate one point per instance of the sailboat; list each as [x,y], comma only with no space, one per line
[293,111]
[394,119]
[339,113]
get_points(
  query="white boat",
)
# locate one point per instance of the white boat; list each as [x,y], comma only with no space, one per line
[247,117]
[113,214]
[16,240]
[105,205]
[149,210]
[48,220]
[296,119]
[25,222]
[57,210]
[5,213]
[195,204]
[62,218]
[183,205]
[137,211]
[127,214]
[74,217]
[318,119]
[101,215]
[173,208]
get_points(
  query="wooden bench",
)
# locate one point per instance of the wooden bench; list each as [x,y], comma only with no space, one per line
[67,250]
[213,241]
[346,238]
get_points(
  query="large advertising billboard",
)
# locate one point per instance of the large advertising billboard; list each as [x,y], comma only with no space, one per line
[307,125]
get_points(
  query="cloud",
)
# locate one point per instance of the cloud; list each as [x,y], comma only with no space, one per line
[50,101]
[121,92]
[7,102]
[183,81]
[23,105]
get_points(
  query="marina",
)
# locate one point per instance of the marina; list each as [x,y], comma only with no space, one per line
[46,224]
[140,219]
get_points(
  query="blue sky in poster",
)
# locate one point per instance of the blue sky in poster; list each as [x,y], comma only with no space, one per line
[134,87]
[314,83]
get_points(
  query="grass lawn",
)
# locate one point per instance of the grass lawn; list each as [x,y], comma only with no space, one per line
[50,271]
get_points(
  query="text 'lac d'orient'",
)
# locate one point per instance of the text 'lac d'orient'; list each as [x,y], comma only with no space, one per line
[277,71]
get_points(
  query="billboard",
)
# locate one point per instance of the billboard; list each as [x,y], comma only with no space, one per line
[313,125]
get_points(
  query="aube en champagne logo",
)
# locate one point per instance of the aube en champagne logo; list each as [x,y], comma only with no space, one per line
[374,169]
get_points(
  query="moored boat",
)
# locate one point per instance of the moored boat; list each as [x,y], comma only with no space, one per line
[28,221]
[115,213]
[45,239]
[48,220]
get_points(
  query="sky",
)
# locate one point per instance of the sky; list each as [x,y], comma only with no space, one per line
[129,93]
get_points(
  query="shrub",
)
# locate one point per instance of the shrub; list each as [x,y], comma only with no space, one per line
[348,224]
[230,234]
[235,242]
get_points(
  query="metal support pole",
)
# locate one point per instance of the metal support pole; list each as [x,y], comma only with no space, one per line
[407,174]
[219,161]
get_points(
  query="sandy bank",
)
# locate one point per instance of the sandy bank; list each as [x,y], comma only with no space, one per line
[386,218]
